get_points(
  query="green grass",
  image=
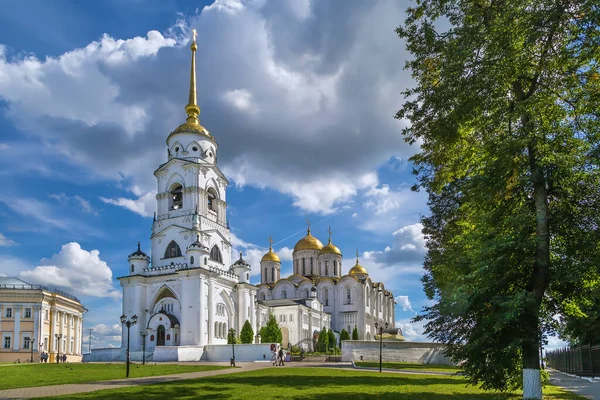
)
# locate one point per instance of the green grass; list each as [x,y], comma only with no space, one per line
[410,366]
[313,384]
[58,374]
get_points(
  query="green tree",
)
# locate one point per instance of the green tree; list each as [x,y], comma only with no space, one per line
[231,339]
[505,112]
[344,335]
[270,333]
[323,341]
[247,333]
[355,333]
[331,337]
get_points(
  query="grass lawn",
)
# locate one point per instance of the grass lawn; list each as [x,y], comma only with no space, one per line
[410,366]
[313,384]
[57,374]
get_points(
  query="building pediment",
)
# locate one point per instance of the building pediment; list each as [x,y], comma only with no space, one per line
[162,232]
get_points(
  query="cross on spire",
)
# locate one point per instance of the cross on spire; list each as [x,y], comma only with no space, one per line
[357,256]
[194,35]
[308,223]
[270,243]
[329,231]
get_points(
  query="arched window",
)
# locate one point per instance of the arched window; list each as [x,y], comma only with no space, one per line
[131,267]
[152,338]
[326,267]
[205,260]
[191,260]
[311,266]
[176,196]
[273,274]
[216,329]
[173,250]
[304,266]
[215,254]
[168,336]
[284,294]
[247,276]
[348,296]
[212,197]
[262,296]
[326,297]
[306,292]
[335,268]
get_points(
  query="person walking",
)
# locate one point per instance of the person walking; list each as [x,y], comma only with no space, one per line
[281,357]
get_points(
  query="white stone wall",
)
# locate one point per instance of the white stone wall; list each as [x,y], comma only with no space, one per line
[415,352]
[243,352]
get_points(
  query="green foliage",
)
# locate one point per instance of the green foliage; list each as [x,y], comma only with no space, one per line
[231,339]
[505,112]
[296,350]
[344,335]
[323,341]
[355,333]
[247,333]
[331,339]
[270,333]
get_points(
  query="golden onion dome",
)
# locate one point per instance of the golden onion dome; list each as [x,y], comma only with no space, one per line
[330,248]
[358,269]
[308,242]
[270,255]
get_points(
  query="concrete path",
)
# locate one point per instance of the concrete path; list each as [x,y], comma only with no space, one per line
[63,390]
[582,387]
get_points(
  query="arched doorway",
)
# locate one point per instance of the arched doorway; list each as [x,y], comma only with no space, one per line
[285,337]
[160,335]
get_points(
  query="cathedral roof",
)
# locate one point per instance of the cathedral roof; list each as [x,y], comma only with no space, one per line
[308,242]
[329,247]
[138,253]
[241,262]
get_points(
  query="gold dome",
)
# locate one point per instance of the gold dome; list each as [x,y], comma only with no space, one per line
[308,242]
[358,269]
[330,248]
[270,255]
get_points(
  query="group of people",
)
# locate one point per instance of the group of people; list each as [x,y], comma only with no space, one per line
[278,357]
[44,358]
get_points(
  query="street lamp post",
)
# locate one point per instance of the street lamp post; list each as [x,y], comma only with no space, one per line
[232,335]
[31,344]
[380,327]
[58,337]
[144,334]
[128,323]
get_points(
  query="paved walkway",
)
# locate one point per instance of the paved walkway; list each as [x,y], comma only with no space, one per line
[62,390]
[582,387]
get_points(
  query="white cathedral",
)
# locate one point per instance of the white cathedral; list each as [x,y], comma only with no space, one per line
[188,292]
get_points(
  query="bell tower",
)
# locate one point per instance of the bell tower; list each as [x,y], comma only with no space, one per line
[191,201]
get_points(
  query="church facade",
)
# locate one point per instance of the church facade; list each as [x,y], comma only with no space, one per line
[189,291]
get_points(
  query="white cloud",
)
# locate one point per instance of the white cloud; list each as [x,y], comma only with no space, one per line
[412,331]
[6,242]
[240,99]
[144,205]
[404,302]
[83,204]
[10,265]
[75,271]
[4,146]
[253,253]
[554,343]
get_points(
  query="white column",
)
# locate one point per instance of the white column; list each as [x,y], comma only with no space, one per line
[37,336]
[211,328]
[17,329]
[202,312]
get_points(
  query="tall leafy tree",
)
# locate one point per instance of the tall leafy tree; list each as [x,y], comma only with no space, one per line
[505,112]
[247,333]
[355,333]
[270,333]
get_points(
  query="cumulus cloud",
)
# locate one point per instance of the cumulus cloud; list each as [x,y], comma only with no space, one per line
[412,331]
[144,205]
[6,242]
[326,101]
[404,302]
[76,271]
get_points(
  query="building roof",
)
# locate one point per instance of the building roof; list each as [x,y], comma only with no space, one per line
[16,283]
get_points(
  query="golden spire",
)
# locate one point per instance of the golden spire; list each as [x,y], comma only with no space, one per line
[356,256]
[192,108]
[270,243]
[329,231]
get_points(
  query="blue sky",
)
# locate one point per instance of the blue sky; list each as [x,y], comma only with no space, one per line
[299,95]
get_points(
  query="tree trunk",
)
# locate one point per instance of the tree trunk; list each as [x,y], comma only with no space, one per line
[532,387]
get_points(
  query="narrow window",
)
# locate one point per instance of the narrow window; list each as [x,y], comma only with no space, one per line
[28,313]
[348,296]
[26,342]
[8,313]
[326,297]
[273,274]
[215,254]
[326,267]
[304,266]
[131,267]
[335,268]
[191,260]
[7,342]
[172,250]
[211,196]
[284,294]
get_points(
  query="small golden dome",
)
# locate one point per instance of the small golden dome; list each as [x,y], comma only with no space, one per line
[358,269]
[270,255]
[308,242]
[330,248]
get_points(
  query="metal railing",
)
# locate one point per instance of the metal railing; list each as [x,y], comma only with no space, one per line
[578,360]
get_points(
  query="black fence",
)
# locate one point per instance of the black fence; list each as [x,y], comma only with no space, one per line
[579,360]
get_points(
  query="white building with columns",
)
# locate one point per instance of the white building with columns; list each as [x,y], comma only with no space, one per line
[36,319]
[188,292]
